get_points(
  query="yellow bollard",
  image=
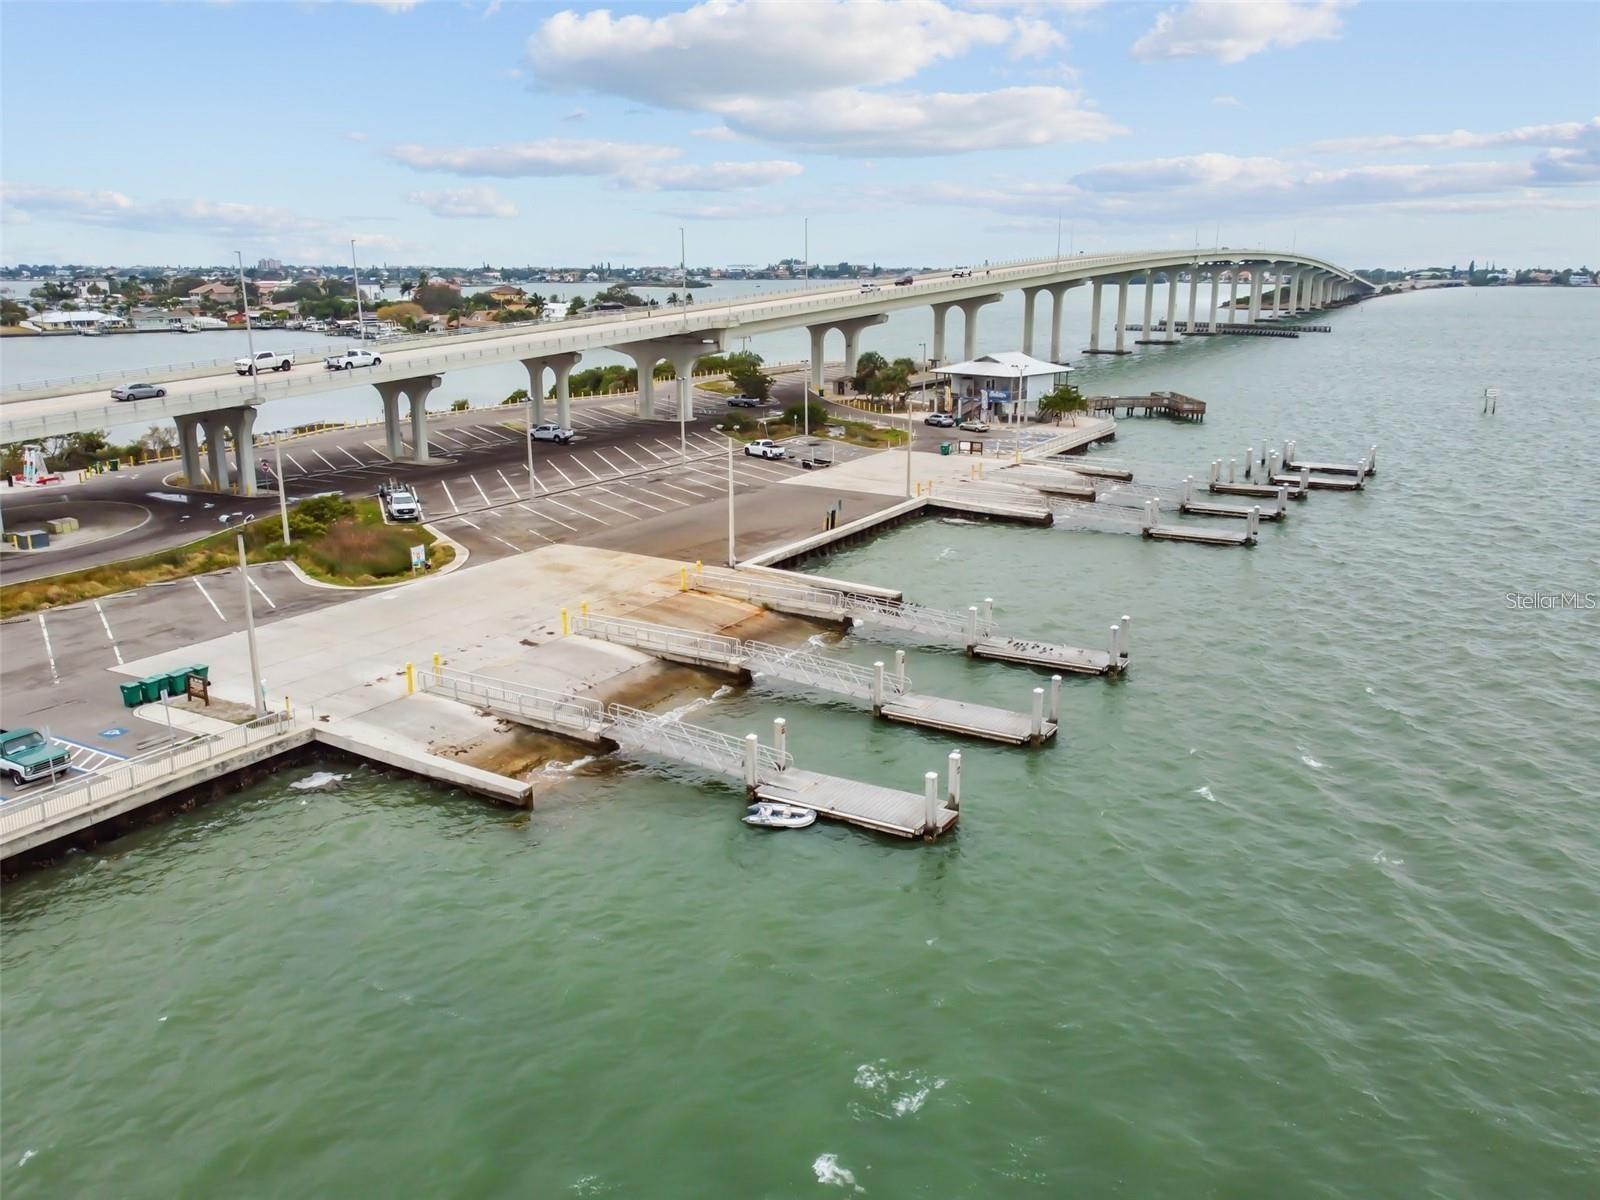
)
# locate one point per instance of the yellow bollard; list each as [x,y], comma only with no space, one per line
[698,566]
[288,708]
[683,579]
[411,679]
[583,610]
[435,662]
[566,625]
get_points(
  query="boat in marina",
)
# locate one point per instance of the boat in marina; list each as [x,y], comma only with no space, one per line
[772,814]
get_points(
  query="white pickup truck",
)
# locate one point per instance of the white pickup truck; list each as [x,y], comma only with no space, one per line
[264,360]
[765,448]
[347,359]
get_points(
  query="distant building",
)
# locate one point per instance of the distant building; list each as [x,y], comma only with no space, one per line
[505,293]
[222,293]
[1004,384]
[1579,280]
[270,266]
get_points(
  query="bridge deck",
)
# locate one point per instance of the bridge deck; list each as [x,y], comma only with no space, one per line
[886,810]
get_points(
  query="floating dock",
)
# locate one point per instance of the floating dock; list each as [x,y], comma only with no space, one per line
[969,630]
[888,692]
[1361,470]
[768,772]
[1320,483]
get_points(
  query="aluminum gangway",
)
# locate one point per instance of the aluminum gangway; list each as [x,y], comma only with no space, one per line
[975,630]
[888,692]
[767,772]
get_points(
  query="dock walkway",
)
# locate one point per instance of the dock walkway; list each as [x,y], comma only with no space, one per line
[888,692]
[975,632]
[767,772]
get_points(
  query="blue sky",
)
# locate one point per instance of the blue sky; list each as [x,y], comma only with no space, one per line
[459,131]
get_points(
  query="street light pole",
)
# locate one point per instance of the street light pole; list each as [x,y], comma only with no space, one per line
[355,278]
[255,389]
[257,694]
[685,385]
[732,558]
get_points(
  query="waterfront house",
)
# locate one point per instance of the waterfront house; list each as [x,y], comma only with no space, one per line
[1005,385]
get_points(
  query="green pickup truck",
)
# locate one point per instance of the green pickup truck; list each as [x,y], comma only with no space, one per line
[27,755]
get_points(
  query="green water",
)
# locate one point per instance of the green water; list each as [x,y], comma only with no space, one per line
[1305,906]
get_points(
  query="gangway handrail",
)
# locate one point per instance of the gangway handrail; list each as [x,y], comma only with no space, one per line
[710,748]
[831,674]
[581,712]
[663,638]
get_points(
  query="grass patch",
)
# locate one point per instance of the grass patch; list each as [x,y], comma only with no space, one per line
[724,387]
[335,540]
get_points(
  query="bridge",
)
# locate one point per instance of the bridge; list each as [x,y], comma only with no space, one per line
[224,403]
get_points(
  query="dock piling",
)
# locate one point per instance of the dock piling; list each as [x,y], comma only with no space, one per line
[972,627]
[1116,644]
[1126,625]
[780,737]
[1249,462]
[1372,461]
[877,688]
[900,669]
[1216,470]
[1055,698]
[988,609]
[1188,489]
[1283,498]
[752,747]
[1254,521]
[930,796]
[1036,733]
[953,788]
[1305,478]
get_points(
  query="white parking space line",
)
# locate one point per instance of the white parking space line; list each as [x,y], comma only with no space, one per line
[454,507]
[578,462]
[541,536]
[614,468]
[576,513]
[563,475]
[479,486]
[507,482]
[296,463]
[210,601]
[472,434]
[544,516]
[650,452]
[463,520]
[695,496]
[445,437]
[613,508]
[259,592]
[514,547]
[324,458]
[48,652]
[627,456]
[110,637]
[542,484]
[350,456]
[636,500]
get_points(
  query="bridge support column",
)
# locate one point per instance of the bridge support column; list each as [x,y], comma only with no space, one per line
[562,365]
[535,369]
[417,391]
[1277,290]
[217,449]
[969,310]
[1058,305]
[242,423]
[1256,273]
[1172,307]
[1030,297]
[390,392]
[189,449]
[1122,315]
[1194,291]
[940,312]
[1233,295]
[819,348]
[1149,308]
[686,348]
[852,338]
[1094,317]
[1216,286]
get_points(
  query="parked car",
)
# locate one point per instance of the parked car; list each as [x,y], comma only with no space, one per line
[138,391]
[743,402]
[975,425]
[961,273]
[551,432]
[765,448]
[263,360]
[942,420]
[346,360]
[28,755]
[905,281]
[399,502]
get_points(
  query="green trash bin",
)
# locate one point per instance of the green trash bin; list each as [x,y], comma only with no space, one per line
[151,688]
[202,671]
[944,447]
[132,694]
[178,682]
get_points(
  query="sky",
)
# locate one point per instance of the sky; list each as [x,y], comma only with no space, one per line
[456,132]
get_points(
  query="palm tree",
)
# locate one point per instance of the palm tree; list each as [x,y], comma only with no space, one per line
[1065,399]
[422,279]
[452,319]
[405,289]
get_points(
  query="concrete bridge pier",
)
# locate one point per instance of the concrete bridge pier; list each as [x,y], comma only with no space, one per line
[417,391]
[1094,317]
[189,448]
[561,365]
[1122,315]
[1058,306]
[969,309]
[1030,297]
[1233,295]
[852,338]
[1216,286]
[217,449]
[242,424]
[1256,272]
[1194,292]
[1277,290]
[390,392]
[684,350]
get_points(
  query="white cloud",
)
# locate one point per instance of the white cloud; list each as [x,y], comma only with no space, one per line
[394,6]
[109,208]
[849,122]
[1560,133]
[709,177]
[715,133]
[468,202]
[723,49]
[1227,102]
[1231,32]
[549,156]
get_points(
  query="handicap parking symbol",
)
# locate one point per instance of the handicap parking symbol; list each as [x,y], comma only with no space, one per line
[112,732]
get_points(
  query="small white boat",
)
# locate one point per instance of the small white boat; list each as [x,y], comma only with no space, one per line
[771,814]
